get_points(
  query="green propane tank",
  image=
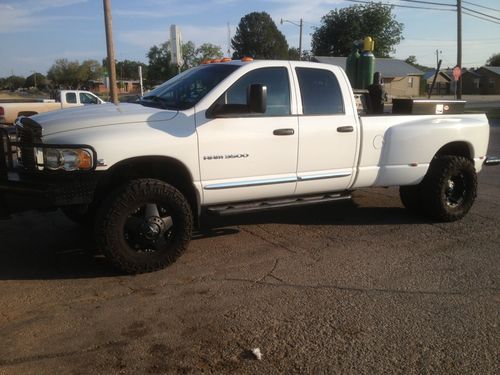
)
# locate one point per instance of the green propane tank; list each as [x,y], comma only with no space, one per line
[352,65]
[366,65]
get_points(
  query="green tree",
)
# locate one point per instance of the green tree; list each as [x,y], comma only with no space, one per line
[73,74]
[126,70]
[494,60]
[257,36]
[412,60]
[65,73]
[293,54]
[37,80]
[160,68]
[208,51]
[14,82]
[129,70]
[341,27]
[189,55]
[193,56]
[90,70]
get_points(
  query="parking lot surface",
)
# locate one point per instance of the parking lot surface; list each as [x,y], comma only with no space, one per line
[357,287]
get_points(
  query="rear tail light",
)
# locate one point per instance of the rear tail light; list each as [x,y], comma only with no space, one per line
[2,112]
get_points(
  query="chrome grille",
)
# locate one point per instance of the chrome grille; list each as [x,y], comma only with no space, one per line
[28,133]
[4,153]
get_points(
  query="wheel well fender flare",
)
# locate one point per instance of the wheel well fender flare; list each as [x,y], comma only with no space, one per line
[163,168]
[457,148]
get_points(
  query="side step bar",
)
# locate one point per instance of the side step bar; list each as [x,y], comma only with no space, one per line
[249,207]
[492,160]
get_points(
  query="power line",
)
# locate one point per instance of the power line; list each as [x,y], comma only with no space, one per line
[467,11]
[429,2]
[400,6]
[482,14]
[481,18]
[479,6]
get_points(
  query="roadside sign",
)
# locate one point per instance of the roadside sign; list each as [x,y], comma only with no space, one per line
[457,72]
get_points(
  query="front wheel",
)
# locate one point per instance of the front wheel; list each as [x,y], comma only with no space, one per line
[144,226]
[449,188]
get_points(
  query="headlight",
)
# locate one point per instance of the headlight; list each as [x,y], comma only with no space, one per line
[68,159]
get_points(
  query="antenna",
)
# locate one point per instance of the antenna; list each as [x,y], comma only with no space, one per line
[228,40]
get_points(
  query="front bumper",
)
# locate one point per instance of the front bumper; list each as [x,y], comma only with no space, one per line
[23,188]
[21,193]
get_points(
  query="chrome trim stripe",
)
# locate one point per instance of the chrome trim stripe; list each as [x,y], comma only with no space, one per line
[324,176]
[238,184]
[283,180]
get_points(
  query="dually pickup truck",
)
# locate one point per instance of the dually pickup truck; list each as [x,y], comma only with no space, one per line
[232,137]
[65,99]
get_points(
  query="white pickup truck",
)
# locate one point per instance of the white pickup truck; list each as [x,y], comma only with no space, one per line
[9,111]
[227,138]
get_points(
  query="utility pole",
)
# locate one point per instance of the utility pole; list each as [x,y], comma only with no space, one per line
[228,40]
[459,47]
[300,40]
[437,56]
[300,25]
[111,51]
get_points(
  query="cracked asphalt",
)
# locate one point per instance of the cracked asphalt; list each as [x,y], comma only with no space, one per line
[354,287]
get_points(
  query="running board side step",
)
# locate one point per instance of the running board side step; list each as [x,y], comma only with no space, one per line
[492,160]
[256,206]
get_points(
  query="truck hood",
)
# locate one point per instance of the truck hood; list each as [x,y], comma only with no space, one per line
[99,115]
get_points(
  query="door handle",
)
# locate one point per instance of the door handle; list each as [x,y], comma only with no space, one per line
[345,129]
[284,132]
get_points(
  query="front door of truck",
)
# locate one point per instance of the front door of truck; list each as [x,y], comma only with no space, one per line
[328,132]
[250,156]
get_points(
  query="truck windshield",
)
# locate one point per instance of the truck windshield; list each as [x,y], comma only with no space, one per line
[188,88]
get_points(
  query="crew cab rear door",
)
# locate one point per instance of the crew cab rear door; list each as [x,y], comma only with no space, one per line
[250,156]
[328,130]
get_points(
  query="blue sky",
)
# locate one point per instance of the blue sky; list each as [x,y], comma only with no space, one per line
[34,33]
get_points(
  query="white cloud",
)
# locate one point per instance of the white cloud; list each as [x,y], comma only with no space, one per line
[310,11]
[163,9]
[25,14]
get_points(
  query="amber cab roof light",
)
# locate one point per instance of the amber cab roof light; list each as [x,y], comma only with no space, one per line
[246,59]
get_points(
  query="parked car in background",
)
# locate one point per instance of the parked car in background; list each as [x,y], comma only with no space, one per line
[65,99]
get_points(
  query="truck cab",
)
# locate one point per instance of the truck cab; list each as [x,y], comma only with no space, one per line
[69,98]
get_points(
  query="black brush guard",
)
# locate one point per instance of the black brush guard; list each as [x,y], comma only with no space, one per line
[24,185]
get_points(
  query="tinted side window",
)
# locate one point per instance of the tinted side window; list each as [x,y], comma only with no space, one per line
[87,99]
[70,97]
[278,90]
[320,92]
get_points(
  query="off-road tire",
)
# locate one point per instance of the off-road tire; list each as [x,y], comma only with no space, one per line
[437,190]
[110,221]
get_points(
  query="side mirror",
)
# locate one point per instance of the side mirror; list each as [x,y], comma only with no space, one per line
[257,98]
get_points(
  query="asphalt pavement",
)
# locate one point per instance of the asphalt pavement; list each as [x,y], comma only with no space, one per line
[354,287]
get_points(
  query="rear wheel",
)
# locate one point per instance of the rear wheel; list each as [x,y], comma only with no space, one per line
[449,188]
[144,226]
